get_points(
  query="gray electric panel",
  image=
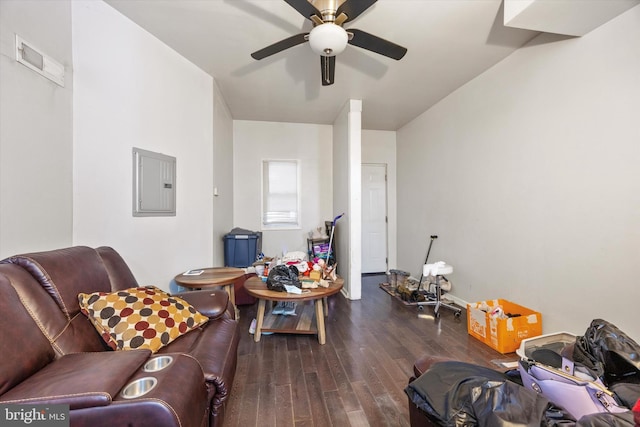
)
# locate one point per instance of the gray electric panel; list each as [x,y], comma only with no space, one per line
[154,184]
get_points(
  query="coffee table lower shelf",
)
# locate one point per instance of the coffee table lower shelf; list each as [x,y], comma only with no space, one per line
[302,323]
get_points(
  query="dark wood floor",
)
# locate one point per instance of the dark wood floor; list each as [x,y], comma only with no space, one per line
[358,377]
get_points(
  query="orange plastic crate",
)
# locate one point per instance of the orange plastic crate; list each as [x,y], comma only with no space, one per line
[503,335]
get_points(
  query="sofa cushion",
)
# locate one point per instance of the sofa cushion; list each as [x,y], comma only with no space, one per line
[142,317]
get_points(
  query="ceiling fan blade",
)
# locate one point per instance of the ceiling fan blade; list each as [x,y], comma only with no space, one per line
[376,44]
[304,8]
[328,67]
[353,8]
[280,46]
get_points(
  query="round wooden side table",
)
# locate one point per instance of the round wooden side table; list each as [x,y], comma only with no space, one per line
[224,277]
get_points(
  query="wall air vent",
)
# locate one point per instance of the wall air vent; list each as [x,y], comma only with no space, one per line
[35,59]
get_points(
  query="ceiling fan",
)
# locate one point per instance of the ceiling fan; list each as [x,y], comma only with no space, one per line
[328,38]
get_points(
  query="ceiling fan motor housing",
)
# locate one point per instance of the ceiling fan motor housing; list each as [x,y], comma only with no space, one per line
[328,39]
[327,8]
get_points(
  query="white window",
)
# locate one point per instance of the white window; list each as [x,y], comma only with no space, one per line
[280,194]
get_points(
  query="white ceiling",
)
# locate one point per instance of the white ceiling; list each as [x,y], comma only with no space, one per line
[449,42]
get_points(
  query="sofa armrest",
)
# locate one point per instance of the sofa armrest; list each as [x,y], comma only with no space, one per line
[179,399]
[210,303]
[80,380]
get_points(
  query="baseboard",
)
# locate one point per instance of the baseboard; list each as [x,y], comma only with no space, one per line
[382,273]
[457,301]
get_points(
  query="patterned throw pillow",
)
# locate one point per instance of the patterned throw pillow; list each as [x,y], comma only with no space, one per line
[144,317]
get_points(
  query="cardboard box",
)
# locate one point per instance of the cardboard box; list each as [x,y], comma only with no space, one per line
[503,335]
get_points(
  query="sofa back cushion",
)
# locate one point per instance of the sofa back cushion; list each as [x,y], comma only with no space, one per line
[120,275]
[25,349]
[63,274]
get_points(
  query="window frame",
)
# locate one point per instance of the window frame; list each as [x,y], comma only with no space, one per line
[264,188]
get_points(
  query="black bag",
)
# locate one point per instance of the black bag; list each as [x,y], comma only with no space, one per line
[453,393]
[622,419]
[282,275]
[609,352]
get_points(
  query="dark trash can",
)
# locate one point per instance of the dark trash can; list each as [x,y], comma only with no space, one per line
[241,247]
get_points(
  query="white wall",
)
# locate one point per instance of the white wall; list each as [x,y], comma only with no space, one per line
[530,177]
[254,142]
[347,189]
[379,147]
[35,131]
[131,90]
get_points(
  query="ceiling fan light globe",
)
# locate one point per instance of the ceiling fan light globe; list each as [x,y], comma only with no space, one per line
[328,39]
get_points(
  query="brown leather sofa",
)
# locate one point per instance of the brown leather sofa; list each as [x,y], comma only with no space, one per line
[52,354]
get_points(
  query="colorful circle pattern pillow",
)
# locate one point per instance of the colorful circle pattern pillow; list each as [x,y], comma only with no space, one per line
[144,317]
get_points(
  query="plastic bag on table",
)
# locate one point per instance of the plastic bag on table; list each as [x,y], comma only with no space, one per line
[282,275]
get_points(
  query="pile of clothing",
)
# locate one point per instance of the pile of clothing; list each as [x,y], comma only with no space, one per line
[453,393]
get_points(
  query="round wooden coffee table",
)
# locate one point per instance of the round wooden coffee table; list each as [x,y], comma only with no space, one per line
[302,322]
[216,276]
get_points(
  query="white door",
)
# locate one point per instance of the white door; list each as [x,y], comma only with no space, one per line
[374,218]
